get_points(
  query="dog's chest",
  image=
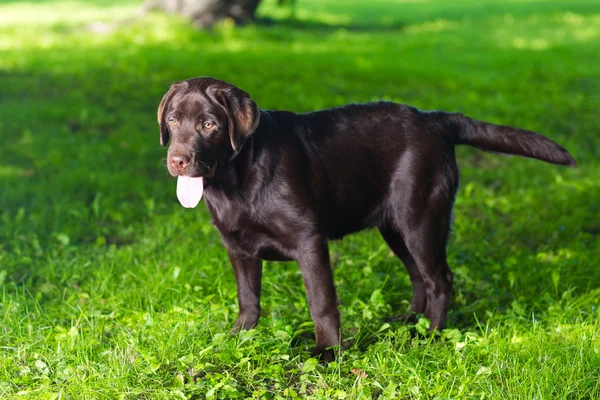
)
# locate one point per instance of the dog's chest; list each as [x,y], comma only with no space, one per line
[249,231]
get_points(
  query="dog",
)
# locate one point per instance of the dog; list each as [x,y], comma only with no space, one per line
[279,185]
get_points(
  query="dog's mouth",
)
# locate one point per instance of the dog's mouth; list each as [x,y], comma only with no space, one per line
[190,189]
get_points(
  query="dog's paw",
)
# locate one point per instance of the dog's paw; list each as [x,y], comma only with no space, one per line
[244,323]
[326,355]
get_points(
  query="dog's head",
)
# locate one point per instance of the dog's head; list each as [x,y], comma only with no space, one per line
[207,122]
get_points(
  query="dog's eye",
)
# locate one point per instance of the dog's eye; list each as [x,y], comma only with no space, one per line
[208,125]
[172,121]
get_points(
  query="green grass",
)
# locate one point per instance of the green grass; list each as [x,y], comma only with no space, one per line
[110,289]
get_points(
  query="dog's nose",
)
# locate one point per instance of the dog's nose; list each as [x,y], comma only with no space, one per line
[179,163]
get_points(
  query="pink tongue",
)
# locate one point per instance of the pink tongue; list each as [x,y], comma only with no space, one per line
[189,191]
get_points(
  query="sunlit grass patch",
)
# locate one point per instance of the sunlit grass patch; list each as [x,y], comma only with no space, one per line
[23,14]
[10,171]
[539,32]
[432,26]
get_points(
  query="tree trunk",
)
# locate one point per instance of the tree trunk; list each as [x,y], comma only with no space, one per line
[206,13]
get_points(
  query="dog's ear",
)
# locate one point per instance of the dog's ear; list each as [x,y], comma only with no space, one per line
[243,114]
[162,110]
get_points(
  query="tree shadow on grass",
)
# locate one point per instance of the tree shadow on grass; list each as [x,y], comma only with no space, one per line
[322,27]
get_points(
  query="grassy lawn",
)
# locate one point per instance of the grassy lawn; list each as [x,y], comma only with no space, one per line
[111,290]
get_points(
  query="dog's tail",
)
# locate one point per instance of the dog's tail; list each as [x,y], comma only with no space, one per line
[506,140]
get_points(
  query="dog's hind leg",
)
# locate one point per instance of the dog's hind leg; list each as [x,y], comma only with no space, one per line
[419,298]
[419,213]
[430,258]
[425,233]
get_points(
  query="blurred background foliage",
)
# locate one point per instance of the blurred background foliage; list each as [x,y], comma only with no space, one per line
[110,288]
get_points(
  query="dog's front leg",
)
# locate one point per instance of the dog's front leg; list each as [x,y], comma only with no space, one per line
[248,272]
[313,261]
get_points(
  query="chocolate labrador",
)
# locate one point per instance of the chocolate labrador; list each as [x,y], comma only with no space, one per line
[280,185]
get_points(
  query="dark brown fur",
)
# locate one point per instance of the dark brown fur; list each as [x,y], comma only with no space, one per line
[280,185]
